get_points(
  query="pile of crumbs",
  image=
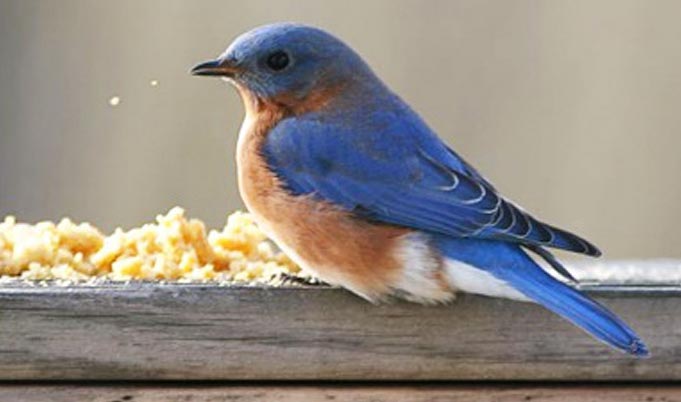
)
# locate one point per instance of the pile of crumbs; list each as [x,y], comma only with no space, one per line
[173,248]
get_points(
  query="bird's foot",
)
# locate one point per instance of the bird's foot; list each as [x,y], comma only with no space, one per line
[287,279]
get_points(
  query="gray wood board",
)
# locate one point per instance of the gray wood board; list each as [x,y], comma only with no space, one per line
[144,331]
[345,393]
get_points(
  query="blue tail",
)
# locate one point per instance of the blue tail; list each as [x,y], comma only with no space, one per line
[509,263]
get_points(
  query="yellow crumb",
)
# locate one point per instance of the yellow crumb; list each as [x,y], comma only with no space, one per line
[114,101]
[173,248]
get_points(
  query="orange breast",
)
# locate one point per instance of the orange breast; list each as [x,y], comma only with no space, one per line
[320,237]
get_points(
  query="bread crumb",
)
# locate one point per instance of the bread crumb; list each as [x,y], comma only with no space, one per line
[174,248]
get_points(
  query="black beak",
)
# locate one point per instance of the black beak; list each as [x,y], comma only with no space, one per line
[214,68]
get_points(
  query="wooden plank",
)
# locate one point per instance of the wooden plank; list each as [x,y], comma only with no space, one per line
[143,331]
[413,393]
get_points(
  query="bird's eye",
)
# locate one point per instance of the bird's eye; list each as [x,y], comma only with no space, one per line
[278,60]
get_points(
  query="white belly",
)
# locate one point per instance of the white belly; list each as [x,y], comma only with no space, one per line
[469,279]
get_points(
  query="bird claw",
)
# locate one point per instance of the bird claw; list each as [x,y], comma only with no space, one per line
[291,279]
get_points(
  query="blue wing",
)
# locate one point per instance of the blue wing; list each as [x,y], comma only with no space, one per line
[395,170]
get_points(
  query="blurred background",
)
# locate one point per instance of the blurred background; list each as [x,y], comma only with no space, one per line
[572,108]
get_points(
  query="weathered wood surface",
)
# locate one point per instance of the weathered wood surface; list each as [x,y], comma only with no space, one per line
[183,332]
[442,393]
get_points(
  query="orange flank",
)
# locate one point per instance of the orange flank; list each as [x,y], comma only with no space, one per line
[333,244]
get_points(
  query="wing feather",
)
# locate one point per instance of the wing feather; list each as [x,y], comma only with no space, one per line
[411,180]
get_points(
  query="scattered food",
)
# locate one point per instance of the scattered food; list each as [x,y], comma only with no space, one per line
[173,248]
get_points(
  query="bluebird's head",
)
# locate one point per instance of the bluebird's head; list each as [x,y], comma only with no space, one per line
[287,63]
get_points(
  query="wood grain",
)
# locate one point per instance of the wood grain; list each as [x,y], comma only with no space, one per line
[143,331]
[443,393]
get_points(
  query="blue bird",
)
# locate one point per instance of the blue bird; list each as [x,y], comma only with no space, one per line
[355,187]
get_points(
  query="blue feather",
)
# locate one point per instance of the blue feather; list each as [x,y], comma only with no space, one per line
[391,168]
[509,263]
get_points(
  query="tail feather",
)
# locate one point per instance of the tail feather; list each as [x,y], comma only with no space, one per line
[582,311]
[553,262]
[510,264]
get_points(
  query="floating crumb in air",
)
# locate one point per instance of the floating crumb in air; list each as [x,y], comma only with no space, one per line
[153,83]
[114,101]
